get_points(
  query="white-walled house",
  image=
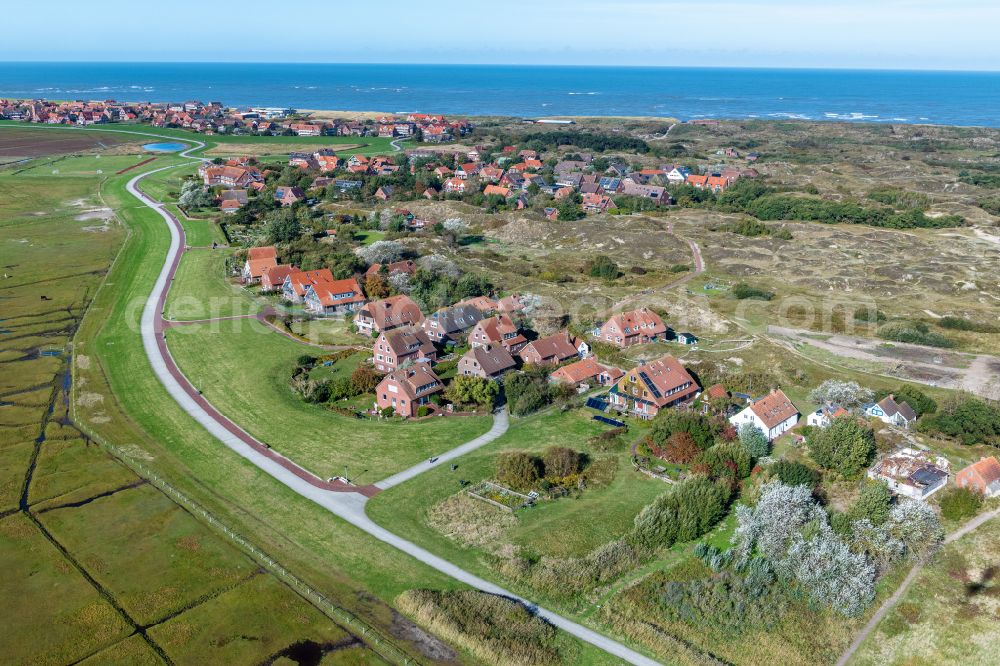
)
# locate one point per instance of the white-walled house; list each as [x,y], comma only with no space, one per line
[889,411]
[774,414]
[913,473]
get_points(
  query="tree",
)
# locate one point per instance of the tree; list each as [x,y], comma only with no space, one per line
[681,448]
[382,252]
[282,226]
[469,390]
[376,286]
[873,504]
[603,267]
[793,473]
[561,461]
[668,421]
[727,460]
[846,446]
[686,511]
[848,395]
[967,419]
[916,526]
[193,195]
[364,379]
[517,469]
[960,503]
[829,572]
[754,440]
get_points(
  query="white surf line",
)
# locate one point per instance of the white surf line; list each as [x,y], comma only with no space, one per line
[348,506]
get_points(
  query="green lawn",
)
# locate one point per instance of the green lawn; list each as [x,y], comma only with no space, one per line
[315,437]
[562,527]
[198,232]
[328,331]
[202,289]
[369,236]
[341,369]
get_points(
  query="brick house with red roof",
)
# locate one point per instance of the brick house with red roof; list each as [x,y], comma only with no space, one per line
[333,297]
[406,389]
[649,387]
[387,314]
[399,346]
[633,328]
[982,476]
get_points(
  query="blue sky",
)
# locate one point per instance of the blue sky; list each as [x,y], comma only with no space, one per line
[889,34]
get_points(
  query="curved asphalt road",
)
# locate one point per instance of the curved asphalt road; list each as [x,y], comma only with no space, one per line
[348,504]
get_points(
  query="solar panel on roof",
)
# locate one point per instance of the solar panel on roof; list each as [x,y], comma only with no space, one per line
[649,383]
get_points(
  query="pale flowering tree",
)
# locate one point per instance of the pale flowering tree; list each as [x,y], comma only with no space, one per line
[779,514]
[829,572]
[381,252]
[848,395]
[400,282]
[876,543]
[439,265]
[456,225]
[916,525]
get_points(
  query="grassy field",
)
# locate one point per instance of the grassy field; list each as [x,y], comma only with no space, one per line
[87,572]
[315,437]
[564,527]
[59,617]
[328,331]
[949,613]
[172,562]
[202,289]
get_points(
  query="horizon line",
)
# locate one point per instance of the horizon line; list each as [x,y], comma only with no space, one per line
[943,70]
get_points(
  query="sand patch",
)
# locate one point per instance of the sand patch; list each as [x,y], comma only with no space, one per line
[83,362]
[89,399]
[105,214]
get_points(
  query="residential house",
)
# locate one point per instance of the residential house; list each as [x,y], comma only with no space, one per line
[824,416]
[484,304]
[384,193]
[496,191]
[586,371]
[512,303]
[687,338]
[678,175]
[982,476]
[401,346]
[554,349]
[273,278]
[448,324]
[258,260]
[649,387]
[892,412]
[328,163]
[774,414]
[296,283]
[597,203]
[454,186]
[498,329]
[229,206]
[404,266]
[488,362]
[288,196]
[633,328]
[654,192]
[387,314]
[335,297]
[911,472]
[406,389]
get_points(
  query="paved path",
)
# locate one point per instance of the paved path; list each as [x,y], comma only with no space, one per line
[342,500]
[889,603]
[500,423]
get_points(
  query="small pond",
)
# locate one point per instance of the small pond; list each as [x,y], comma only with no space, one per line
[164,147]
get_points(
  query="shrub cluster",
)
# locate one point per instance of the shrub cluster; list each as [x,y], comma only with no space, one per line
[913,332]
[966,418]
[495,629]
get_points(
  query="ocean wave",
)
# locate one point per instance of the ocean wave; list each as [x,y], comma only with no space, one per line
[583,93]
[856,115]
[789,116]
